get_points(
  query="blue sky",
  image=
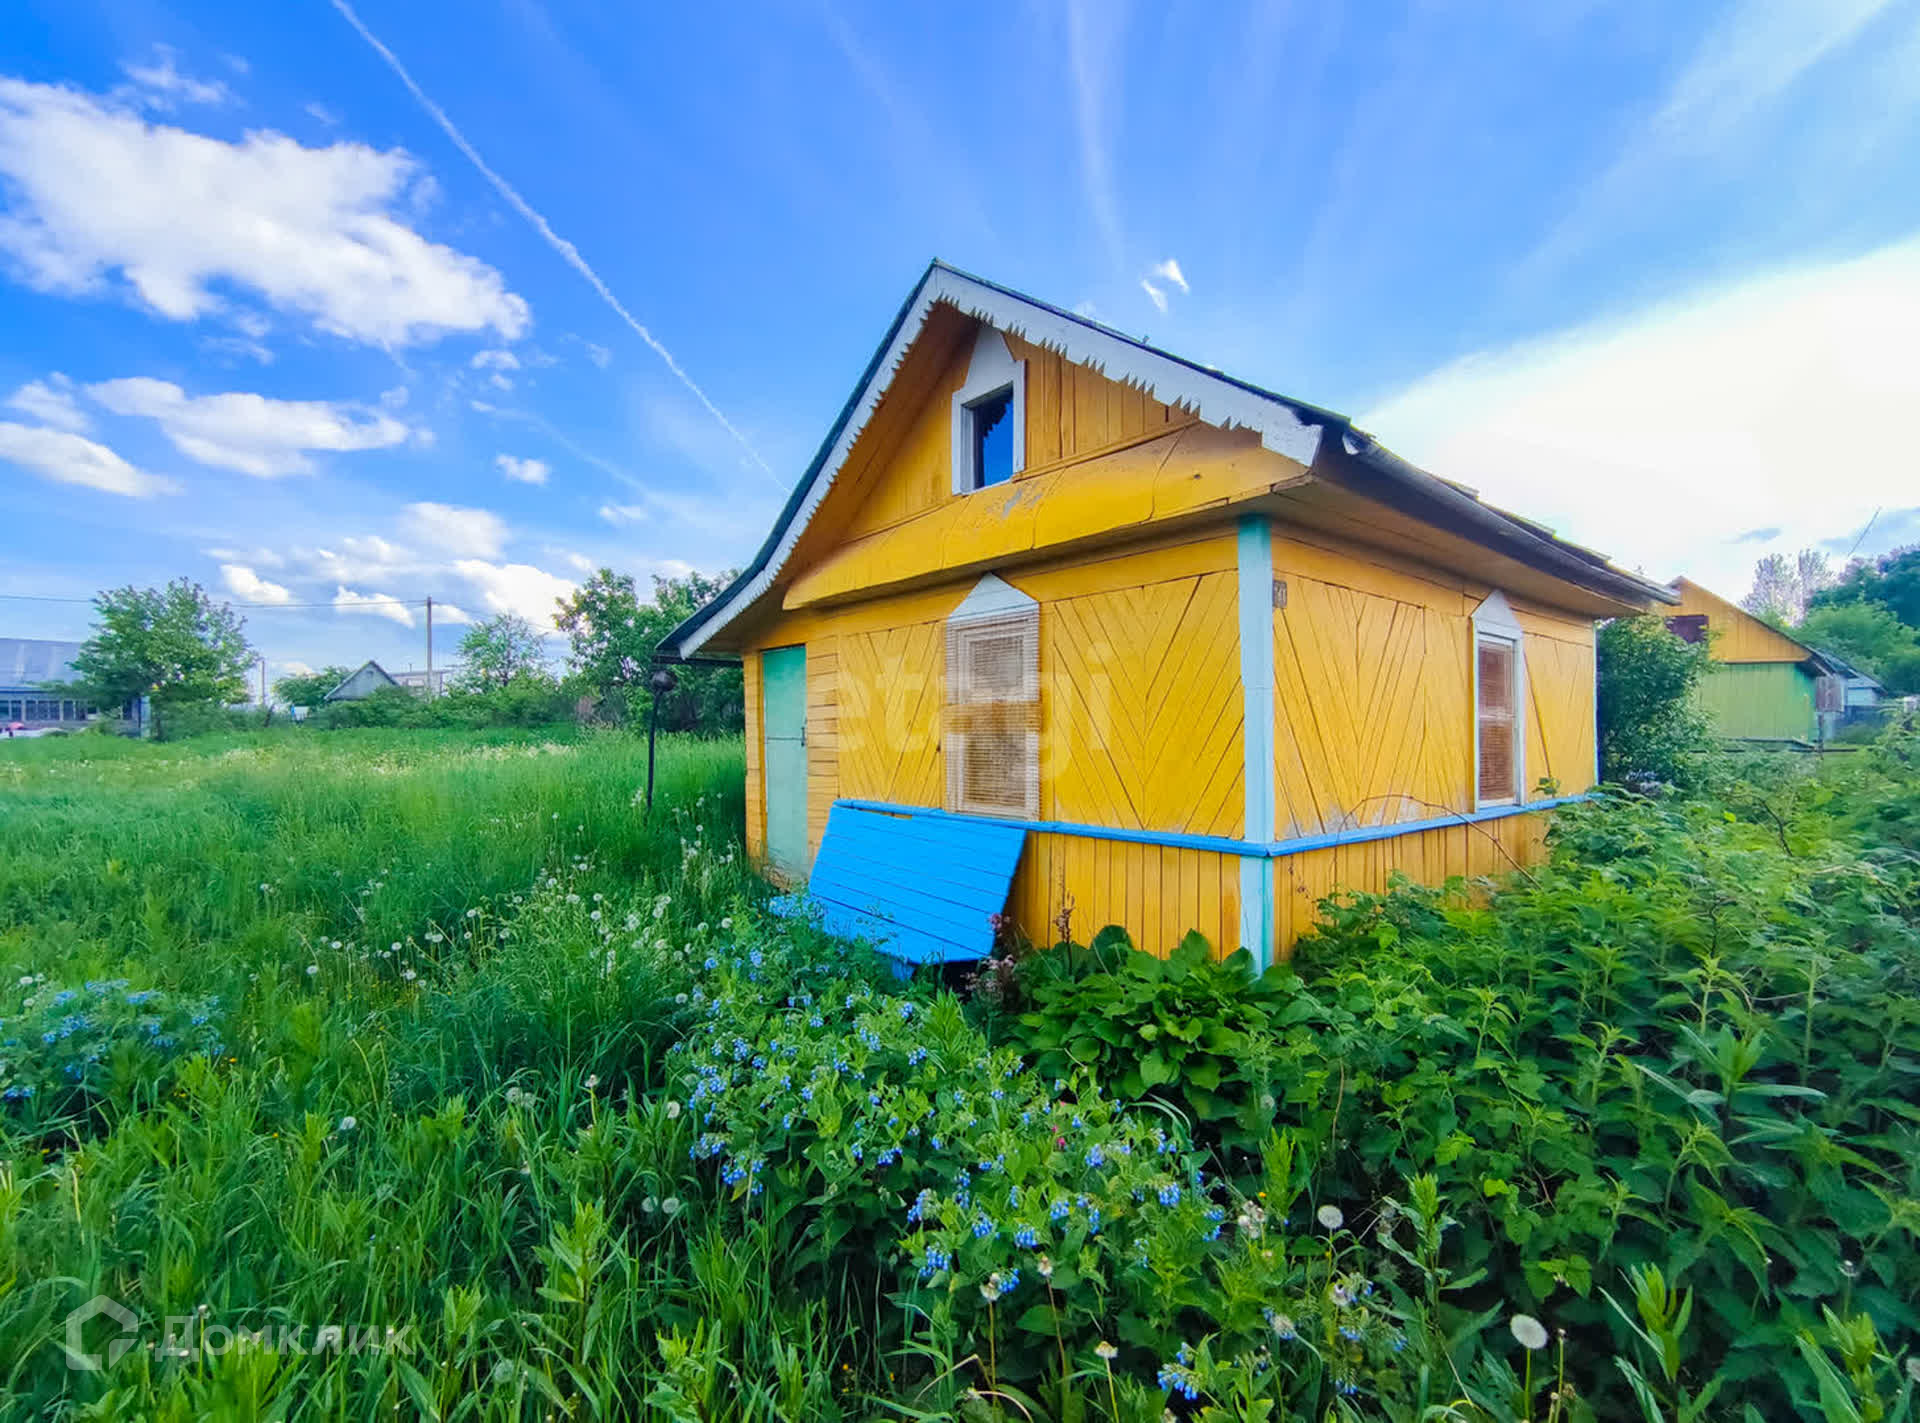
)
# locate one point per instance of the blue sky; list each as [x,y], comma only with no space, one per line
[1648,273]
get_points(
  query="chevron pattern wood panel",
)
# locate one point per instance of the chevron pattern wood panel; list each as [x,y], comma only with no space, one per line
[891,683]
[1560,729]
[1373,707]
[1144,707]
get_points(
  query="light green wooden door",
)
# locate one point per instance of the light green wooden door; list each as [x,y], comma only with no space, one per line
[784,701]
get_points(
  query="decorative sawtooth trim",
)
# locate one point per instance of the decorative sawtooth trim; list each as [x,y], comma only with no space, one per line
[1213,398]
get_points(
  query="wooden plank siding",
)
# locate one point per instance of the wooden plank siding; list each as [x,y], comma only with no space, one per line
[756,828]
[1157,893]
[823,737]
[1493,847]
[1734,634]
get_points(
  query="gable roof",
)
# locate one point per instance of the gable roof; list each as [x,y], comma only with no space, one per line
[1316,438]
[351,677]
[1823,663]
[28,662]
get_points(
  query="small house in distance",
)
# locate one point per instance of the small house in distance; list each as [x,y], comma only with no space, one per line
[1765,684]
[363,682]
[1060,624]
[30,670]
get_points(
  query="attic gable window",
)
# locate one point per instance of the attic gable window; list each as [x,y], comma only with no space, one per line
[990,439]
[989,416]
[992,740]
[1499,695]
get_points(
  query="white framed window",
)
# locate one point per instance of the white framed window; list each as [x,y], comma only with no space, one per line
[1499,704]
[992,741]
[989,416]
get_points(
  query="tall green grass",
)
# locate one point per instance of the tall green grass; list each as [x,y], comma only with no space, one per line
[445,970]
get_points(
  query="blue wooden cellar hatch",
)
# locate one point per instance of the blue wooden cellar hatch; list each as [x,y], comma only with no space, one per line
[920,888]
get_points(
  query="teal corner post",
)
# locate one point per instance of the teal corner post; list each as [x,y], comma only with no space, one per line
[1257,599]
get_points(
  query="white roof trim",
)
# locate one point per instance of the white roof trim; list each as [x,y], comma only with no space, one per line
[992,597]
[1215,400]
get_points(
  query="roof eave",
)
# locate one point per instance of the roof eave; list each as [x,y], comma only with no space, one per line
[1362,461]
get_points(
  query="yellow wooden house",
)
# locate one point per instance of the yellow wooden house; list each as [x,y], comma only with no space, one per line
[1061,624]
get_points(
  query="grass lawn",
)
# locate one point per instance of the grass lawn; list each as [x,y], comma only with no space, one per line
[375,1074]
[291,981]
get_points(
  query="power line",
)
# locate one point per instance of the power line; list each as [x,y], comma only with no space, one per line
[233,603]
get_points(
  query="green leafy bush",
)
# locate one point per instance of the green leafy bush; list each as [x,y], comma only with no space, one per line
[61,1046]
[1651,724]
[1690,1041]
[1189,1030]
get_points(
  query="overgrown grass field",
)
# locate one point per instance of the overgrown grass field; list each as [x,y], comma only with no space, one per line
[423,1074]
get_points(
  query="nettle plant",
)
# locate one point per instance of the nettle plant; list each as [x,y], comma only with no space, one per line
[1688,1043]
[1188,1031]
[1033,1233]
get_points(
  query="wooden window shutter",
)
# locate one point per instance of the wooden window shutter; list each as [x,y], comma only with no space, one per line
[993,714]
[1498,715]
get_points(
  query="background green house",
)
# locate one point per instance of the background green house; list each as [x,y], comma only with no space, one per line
[1765,685]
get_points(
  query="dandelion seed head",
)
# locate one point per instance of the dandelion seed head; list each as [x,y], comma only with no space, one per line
[1530,1332]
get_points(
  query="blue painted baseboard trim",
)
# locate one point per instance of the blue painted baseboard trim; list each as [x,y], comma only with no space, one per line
[1224,845]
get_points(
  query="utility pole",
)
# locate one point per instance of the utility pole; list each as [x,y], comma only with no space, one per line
[261,658]
[429,649]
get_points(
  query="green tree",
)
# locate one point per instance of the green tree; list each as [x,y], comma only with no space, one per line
[174,645]
[500,649]
[1650,720]
[613,635]
[1869,636]
[309,689]
[1891,580]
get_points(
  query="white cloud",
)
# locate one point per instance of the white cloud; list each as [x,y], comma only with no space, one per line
[579,562]
[450,529]
[51,402]
[495,360]
[67,458]
[523,471]
[598,354]
[181,218]
[293,667]
[377,605]
[618,514]
[253,434]
[449,613]
[1743,68]
[562,248]
[1169,270]
[1154,294]
[515,588]
[160,84]
[319,111]
[250,587]
[1782,404]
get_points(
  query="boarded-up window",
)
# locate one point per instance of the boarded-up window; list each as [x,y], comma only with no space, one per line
[993,714]
[1497,685]
[1689,627]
